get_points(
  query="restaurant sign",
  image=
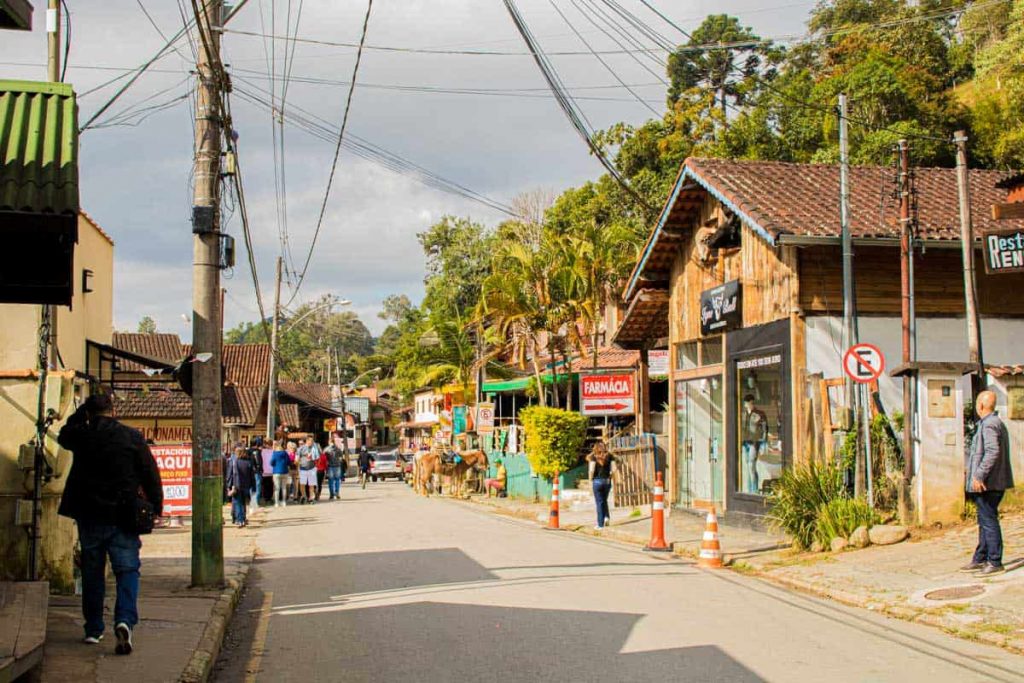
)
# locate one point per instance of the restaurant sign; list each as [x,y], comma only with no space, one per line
[721,308]
[1004,251]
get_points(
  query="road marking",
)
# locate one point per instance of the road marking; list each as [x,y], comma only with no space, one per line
[259,639]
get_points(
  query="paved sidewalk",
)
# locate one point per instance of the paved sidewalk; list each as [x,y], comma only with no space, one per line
[897,580]
[180,628]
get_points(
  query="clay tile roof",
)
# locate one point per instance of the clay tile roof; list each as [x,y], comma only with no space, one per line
[318,395]
[645,320]
[246,365]
[161,346]
[608,359]
[157,403]
[288,414]
[241,405]
[1004,370]
[103,233]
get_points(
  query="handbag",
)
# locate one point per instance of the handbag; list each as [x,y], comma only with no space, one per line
[135,514]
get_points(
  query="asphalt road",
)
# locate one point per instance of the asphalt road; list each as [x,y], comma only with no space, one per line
[386,586]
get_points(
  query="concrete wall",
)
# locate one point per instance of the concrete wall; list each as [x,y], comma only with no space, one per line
[1015,425]
[938,339]
[90,316]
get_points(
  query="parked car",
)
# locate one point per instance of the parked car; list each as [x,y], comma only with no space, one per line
[386,466]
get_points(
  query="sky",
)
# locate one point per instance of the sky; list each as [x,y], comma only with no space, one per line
[136,175]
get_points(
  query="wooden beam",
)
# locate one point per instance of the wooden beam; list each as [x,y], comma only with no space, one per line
[1010,211]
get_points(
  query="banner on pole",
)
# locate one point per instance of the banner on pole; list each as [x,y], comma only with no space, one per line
[175,465]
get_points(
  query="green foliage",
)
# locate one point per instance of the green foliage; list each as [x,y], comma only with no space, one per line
[147,325]
[838,518]
[554,438]
[799,494]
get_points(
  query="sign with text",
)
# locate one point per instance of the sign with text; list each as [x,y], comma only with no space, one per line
[864,363]
[607,395]
[657,364]
[1004,251]
[484,418]
[175,465]
[721,308]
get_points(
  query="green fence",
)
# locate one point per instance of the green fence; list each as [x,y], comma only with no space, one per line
[522,484]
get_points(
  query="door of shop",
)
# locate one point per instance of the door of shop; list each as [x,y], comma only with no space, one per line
[699,441]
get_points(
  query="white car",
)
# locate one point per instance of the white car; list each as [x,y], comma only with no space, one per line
[386,465]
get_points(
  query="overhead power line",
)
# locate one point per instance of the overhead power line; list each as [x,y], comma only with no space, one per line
[337,151]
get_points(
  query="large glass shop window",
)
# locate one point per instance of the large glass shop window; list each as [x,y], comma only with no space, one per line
[759,394]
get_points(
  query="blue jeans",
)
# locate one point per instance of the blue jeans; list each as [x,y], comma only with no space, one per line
[990,535]
[334,481]
[750,451]
[257,489]
[239,502]
[98,541]
[602,487]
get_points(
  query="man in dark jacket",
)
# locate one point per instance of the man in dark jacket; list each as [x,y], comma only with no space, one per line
[111,465]
[988,477]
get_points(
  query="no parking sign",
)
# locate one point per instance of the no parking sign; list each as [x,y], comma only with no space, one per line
[863,363]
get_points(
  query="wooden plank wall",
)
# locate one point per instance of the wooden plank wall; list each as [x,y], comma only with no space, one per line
[938,283]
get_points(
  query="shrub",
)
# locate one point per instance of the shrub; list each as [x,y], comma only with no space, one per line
[799,494]
[840,516]
[554,438]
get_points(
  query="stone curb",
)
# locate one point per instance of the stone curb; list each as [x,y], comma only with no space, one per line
[200,666]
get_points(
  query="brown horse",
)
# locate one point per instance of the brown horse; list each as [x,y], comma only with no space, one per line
[430,464]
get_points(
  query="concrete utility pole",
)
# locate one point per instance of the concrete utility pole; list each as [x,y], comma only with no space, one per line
[906,291]
[274,327]
[967,247]
[53,19]
[207,458]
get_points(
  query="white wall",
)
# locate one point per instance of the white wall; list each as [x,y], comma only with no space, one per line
[938,339]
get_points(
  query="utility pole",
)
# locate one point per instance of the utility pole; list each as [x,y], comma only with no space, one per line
[207,458]
[53,20]
[906,295]
[852,412]
[272,383]
[967,247]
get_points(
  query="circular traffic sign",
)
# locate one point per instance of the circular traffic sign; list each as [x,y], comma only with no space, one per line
[863,363]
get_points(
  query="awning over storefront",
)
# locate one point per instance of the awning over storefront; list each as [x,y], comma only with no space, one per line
[646,319]
[519,383]
[417,425]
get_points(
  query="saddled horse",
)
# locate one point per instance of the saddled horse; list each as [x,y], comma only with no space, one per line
[433,463]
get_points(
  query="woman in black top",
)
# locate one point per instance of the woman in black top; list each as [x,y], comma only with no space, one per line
[602,467]
[241,480]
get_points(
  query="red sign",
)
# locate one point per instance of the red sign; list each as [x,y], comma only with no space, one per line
[864,363]
[607,395]
[175,464]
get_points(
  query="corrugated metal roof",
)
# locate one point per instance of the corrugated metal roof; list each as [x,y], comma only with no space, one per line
[38,148]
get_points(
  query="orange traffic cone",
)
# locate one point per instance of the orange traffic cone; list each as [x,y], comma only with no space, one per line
[710,550]
[657,542]
[553,516]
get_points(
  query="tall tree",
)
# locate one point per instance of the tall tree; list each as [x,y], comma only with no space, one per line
[147,325]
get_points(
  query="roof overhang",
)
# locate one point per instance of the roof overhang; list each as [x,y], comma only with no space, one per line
[16,15]
[645,320]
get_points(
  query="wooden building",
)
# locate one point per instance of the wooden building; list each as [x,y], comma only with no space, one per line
[742,274]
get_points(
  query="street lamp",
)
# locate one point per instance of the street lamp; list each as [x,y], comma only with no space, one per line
[327,304]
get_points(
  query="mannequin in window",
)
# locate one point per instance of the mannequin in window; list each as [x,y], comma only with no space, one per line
[754,431]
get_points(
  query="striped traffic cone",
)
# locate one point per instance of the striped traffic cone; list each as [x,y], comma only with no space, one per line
[710,550]
[657,542]
[553,516]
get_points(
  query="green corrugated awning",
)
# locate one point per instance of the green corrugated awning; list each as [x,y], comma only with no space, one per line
[38,148]
[518,384]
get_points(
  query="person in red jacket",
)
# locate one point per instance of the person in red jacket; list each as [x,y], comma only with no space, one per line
[321,473]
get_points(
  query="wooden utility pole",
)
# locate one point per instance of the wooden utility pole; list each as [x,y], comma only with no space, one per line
[272,383]
[207,456]
[967,247]
[906,292]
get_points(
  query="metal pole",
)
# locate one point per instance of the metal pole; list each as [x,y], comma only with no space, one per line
[967,247]
[207,474]
[865,408]
[906,293]
[272,383]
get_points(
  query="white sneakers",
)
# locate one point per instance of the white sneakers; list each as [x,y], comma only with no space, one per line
[124,639]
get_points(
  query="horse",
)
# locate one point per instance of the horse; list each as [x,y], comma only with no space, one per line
[431,464]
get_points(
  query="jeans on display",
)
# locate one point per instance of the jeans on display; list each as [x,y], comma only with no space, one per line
[99,541]
[281,482]
[239,502]
[334,481]
[750,450]
[990,535]
[602,487]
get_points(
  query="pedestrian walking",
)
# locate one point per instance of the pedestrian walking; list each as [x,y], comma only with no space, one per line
[293,470]
[988,476]
[279,464]
[365,465]
[112,473]
[255,452]
[335,470]
[601,467]
[308,455]
[321,474]
[240,480]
